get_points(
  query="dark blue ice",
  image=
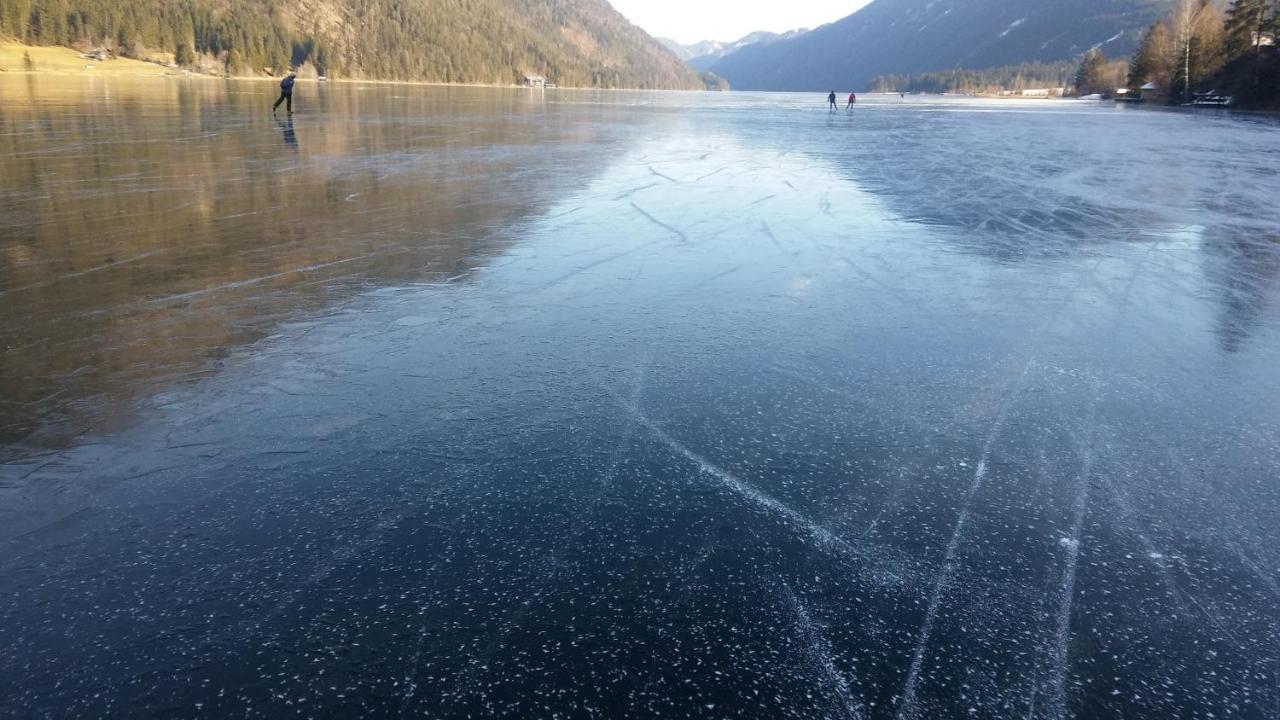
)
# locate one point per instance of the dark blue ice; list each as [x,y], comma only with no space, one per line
[474,403]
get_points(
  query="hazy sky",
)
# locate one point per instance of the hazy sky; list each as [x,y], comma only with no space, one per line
[689,21]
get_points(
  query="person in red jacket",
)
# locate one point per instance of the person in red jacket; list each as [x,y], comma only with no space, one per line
[853,98]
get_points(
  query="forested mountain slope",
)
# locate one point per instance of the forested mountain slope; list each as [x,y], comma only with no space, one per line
[896,37]
[572,42]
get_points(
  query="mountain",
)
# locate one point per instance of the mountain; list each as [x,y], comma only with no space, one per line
[701,56]
[898,37]
[715,52]
[579,43]
[689,52]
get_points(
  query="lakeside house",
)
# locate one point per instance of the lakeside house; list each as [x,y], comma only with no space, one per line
[1150,92]
[535,81]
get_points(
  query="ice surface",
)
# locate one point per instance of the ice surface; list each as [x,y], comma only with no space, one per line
[450,403]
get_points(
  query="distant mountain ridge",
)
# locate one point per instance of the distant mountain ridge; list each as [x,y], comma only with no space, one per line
[691,51]
[708,60]
[701,56]
[582,43]
[898,37]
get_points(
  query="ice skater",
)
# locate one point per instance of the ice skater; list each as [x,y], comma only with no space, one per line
[853,100]
[286,93]
[831,100]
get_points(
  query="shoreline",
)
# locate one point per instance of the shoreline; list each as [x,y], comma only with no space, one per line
[69,62]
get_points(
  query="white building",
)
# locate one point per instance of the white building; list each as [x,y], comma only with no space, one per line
[1044,92]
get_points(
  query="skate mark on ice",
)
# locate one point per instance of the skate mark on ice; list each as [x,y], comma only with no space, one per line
[82,273]
[551,563]
[567,213]
[252,281]
[768,232]
[817,648]
[668,178]
[744,490]
[908,710]
[588,267]
[1263,576]
[724,274]
[1149,550]
[678,233]
[891,502]
[1057,700]
[633,191]
[713,173]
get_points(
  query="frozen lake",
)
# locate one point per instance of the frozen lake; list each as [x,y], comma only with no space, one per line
[474,403]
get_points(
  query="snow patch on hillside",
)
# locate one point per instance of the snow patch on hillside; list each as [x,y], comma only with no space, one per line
[1013,26]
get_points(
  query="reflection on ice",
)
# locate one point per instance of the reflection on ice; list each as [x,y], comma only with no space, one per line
[643,406]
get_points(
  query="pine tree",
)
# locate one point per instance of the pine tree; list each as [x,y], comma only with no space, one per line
[183,55]
[1156,60]
[234,61]
[1246,26]
[1090,78]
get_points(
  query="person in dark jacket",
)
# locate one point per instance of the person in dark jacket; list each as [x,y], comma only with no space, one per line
[286,93]
[831,100]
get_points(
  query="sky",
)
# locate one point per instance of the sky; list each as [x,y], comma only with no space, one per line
[689,21]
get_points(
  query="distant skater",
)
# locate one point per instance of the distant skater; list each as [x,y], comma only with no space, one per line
[853,100]
[831,100]
[286,93]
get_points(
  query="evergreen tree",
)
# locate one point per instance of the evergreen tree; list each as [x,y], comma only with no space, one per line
[234,61]
[1248,23]
[183,55]
[1091,77]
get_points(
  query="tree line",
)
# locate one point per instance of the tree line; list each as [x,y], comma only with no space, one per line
[1203,48]
[573,42]
[1013,78]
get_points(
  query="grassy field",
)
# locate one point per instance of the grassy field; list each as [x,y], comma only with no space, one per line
[65,61]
